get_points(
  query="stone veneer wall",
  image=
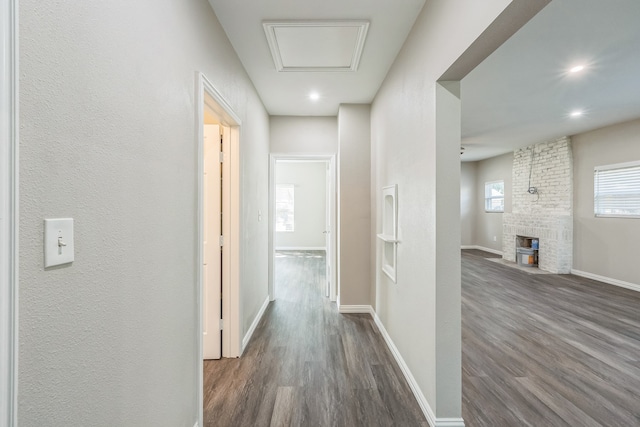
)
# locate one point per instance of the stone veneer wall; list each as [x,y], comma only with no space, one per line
[547,215]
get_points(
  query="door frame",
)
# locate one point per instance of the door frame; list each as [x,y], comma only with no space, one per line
[231,310]
[331,158]
[8,212]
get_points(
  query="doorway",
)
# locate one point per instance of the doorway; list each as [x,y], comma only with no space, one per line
[218,235]
[8,212]
[303,212]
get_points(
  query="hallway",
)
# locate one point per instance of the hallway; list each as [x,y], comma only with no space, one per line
[308,365]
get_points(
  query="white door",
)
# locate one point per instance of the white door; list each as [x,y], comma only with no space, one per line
[327,229]
[212,266]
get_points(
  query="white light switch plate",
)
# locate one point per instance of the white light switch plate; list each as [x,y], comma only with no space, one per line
[58,241]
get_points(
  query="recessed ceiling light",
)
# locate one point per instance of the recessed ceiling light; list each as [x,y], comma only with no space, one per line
[577,69]
[576,113]
[314,96]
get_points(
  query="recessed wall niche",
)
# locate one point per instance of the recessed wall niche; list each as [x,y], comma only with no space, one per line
[389,235]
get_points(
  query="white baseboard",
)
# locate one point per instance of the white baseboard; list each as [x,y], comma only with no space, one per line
[608,280]
[482,248]
[422,401]
[366,309]
[254,324]
[300,248]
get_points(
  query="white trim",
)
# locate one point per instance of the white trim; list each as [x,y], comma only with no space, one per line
[9,213]
[417,392]
[607,280]
[617,166]
[482,248]
[254,324]
[331,158]
[270,33]
[354,309]
[231,343]
[300,248]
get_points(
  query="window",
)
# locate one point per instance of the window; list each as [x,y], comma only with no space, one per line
[617,190]
[284,207]
[494,196]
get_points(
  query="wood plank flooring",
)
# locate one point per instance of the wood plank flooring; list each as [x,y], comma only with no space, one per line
[308,365]
[547,350]
[537,350]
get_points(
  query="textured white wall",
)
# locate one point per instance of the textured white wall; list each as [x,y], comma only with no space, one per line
[299,134]
[107,137]
[422,311]
[354,178]
[310,200]
[604,246]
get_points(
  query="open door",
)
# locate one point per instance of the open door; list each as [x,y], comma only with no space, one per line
[212,255]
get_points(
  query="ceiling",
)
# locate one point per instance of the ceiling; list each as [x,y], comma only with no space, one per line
[287,92]
[522,94]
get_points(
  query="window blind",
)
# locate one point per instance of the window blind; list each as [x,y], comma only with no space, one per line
[617,190]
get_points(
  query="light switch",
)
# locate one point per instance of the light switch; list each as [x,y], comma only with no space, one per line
[58,241]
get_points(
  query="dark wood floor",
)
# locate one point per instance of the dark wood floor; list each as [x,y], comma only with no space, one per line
[308,365]
[547,350]
[537,350]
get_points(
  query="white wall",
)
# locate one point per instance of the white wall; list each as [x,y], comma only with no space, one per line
[417,151]
[310,203]
[606,247]
[107,100]
[303,135]
[354,204]
[489,224]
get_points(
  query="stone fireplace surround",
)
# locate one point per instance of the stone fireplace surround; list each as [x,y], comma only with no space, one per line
[547,214]
[555,234]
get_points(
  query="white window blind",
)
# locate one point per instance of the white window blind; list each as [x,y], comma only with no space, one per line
[494,196]
[617,190]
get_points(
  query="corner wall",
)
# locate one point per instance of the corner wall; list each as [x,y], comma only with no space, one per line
[108,137]
[421,312]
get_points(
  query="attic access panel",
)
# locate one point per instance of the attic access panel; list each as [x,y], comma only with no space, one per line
[316,45]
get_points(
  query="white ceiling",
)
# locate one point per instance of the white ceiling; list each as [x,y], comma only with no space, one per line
[287,93]
[522,94]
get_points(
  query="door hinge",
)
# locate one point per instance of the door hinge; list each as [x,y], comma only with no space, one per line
[221,157]
[221,241]
[221,324]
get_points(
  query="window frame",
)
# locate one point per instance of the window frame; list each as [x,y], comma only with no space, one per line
[487,200]
[597,193]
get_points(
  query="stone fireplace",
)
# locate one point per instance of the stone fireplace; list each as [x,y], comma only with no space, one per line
[546,211]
